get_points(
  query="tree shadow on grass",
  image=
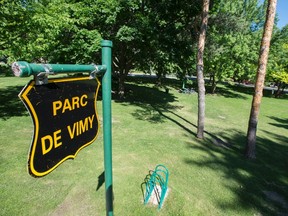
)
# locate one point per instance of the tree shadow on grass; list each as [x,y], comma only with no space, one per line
[249,90]
[139,94]
[281,122]
[155,106]
[10,104]
[152,79]
[245,89]
[145,97]
[261,183]
[229,92]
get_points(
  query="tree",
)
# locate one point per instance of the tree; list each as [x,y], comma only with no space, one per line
[261,72]
[281,80]
[200,73]
[42,31]
[14,28]
[278,62]
[153,36]
[232,40]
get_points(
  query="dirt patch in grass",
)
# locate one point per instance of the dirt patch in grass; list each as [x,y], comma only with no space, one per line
[77,203]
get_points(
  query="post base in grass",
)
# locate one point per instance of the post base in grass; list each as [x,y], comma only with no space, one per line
[156,194]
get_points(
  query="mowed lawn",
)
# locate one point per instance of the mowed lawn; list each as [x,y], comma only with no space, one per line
[150,127]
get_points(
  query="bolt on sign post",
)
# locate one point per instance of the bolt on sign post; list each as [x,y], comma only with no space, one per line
[64,114]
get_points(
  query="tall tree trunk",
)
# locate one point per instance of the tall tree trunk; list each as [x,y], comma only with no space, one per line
[121,82]
[200,75]
[159,79]
[261,72]
[278,91]
[214,84]
[122,64]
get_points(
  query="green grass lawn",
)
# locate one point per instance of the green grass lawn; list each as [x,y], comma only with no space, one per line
[150,127]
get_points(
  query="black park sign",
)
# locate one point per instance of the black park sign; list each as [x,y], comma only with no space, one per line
[65,120]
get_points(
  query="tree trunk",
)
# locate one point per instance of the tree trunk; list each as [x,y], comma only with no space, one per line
[261,72]
[279,91]
[200,75]
[121,87]
[159,79]
[213,85]
[123,65]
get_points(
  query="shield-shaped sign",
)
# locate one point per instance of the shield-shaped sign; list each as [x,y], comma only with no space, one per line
[65,120]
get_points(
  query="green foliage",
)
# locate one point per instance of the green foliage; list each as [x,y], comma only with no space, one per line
[151,36]
[14,24]
[42,31]
[278,59]
[281,76]
[233,40]
[171,43]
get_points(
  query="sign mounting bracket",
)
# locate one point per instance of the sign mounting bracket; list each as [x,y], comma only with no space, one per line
[42,77]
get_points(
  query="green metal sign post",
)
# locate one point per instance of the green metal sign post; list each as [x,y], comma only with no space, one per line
[107,124]
[41,72]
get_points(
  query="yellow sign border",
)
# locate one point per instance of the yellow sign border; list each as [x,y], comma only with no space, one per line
[23,96]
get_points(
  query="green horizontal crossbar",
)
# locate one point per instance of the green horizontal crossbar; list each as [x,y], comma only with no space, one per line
[25,69]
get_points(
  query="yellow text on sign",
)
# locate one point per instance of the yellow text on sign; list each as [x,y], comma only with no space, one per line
[51,140]
[73,103]
[80,127]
